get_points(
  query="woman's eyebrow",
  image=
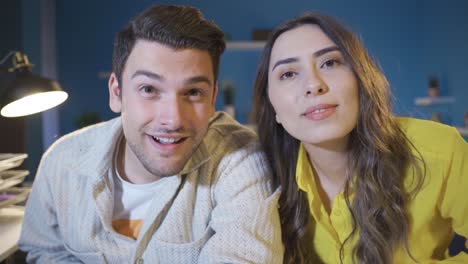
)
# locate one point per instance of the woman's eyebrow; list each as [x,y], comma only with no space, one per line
[285,61]
[323,51]
[316,54]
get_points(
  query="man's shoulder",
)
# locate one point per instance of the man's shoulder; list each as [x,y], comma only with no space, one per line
[227,132]
[82,140]
[226,144]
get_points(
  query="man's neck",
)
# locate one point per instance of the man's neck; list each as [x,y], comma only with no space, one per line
[130,168]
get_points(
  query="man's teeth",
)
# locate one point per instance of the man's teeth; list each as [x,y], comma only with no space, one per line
[318,111]
[167,140]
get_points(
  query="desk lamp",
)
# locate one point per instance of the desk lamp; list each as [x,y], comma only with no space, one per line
[24,93]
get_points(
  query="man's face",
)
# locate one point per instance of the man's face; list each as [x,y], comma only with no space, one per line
[166,99]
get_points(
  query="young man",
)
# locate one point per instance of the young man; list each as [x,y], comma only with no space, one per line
[170,180]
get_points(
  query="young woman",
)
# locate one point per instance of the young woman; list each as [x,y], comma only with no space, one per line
[360,185]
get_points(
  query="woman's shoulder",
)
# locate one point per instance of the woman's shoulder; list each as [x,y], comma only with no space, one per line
[414,125]
[429,136]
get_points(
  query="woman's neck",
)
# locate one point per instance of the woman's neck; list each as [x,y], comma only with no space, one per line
[329,161]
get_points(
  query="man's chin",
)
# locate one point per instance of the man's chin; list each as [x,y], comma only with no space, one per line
[167,170]
[169,165]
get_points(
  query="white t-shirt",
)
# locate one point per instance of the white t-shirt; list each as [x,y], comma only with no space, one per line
[131,202]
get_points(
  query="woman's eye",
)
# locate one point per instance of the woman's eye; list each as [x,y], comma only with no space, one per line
[287,75]
[330,63]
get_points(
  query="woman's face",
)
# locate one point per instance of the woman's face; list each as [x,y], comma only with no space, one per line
[312,89]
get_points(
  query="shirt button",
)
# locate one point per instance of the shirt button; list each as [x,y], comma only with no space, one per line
[139,261]
[337,212]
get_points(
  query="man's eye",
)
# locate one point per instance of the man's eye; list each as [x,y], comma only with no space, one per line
[147,89]
[194,92]
[287,75]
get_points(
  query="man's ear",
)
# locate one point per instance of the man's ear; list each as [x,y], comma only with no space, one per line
[215,95]
[115,96]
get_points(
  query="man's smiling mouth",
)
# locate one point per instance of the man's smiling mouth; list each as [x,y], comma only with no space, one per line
[167,140]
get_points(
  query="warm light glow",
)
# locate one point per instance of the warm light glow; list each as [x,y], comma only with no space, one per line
[35,103]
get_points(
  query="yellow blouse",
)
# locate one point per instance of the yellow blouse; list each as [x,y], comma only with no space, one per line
[437,210]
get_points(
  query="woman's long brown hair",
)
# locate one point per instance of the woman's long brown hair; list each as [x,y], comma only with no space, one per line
[380,157]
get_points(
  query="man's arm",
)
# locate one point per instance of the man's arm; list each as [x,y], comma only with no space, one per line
[245,217]
[40,234]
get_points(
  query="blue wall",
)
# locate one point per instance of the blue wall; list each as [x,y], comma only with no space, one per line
[31,46]
[10,28]
[410,39]
[19,30]
[445,53]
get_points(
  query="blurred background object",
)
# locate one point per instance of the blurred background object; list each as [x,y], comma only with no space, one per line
[228,93]
[433,89]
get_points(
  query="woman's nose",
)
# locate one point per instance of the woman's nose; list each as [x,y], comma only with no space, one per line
[314,85]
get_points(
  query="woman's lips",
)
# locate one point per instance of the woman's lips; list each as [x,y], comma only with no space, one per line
[320,112]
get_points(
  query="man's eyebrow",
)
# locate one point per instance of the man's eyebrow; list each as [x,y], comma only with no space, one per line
[198,79]
[316,54]
[151,75]
[155,76]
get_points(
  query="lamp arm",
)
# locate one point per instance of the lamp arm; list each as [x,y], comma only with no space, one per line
[7,56]
[20,60]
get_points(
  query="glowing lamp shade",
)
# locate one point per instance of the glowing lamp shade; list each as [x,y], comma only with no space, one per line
[25,93]
[34,103]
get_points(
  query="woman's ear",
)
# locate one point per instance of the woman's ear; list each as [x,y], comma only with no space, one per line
[277,119]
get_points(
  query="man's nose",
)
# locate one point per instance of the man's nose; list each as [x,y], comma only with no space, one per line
[170,112]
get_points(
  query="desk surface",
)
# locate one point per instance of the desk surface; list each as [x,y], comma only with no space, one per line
[10,229]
